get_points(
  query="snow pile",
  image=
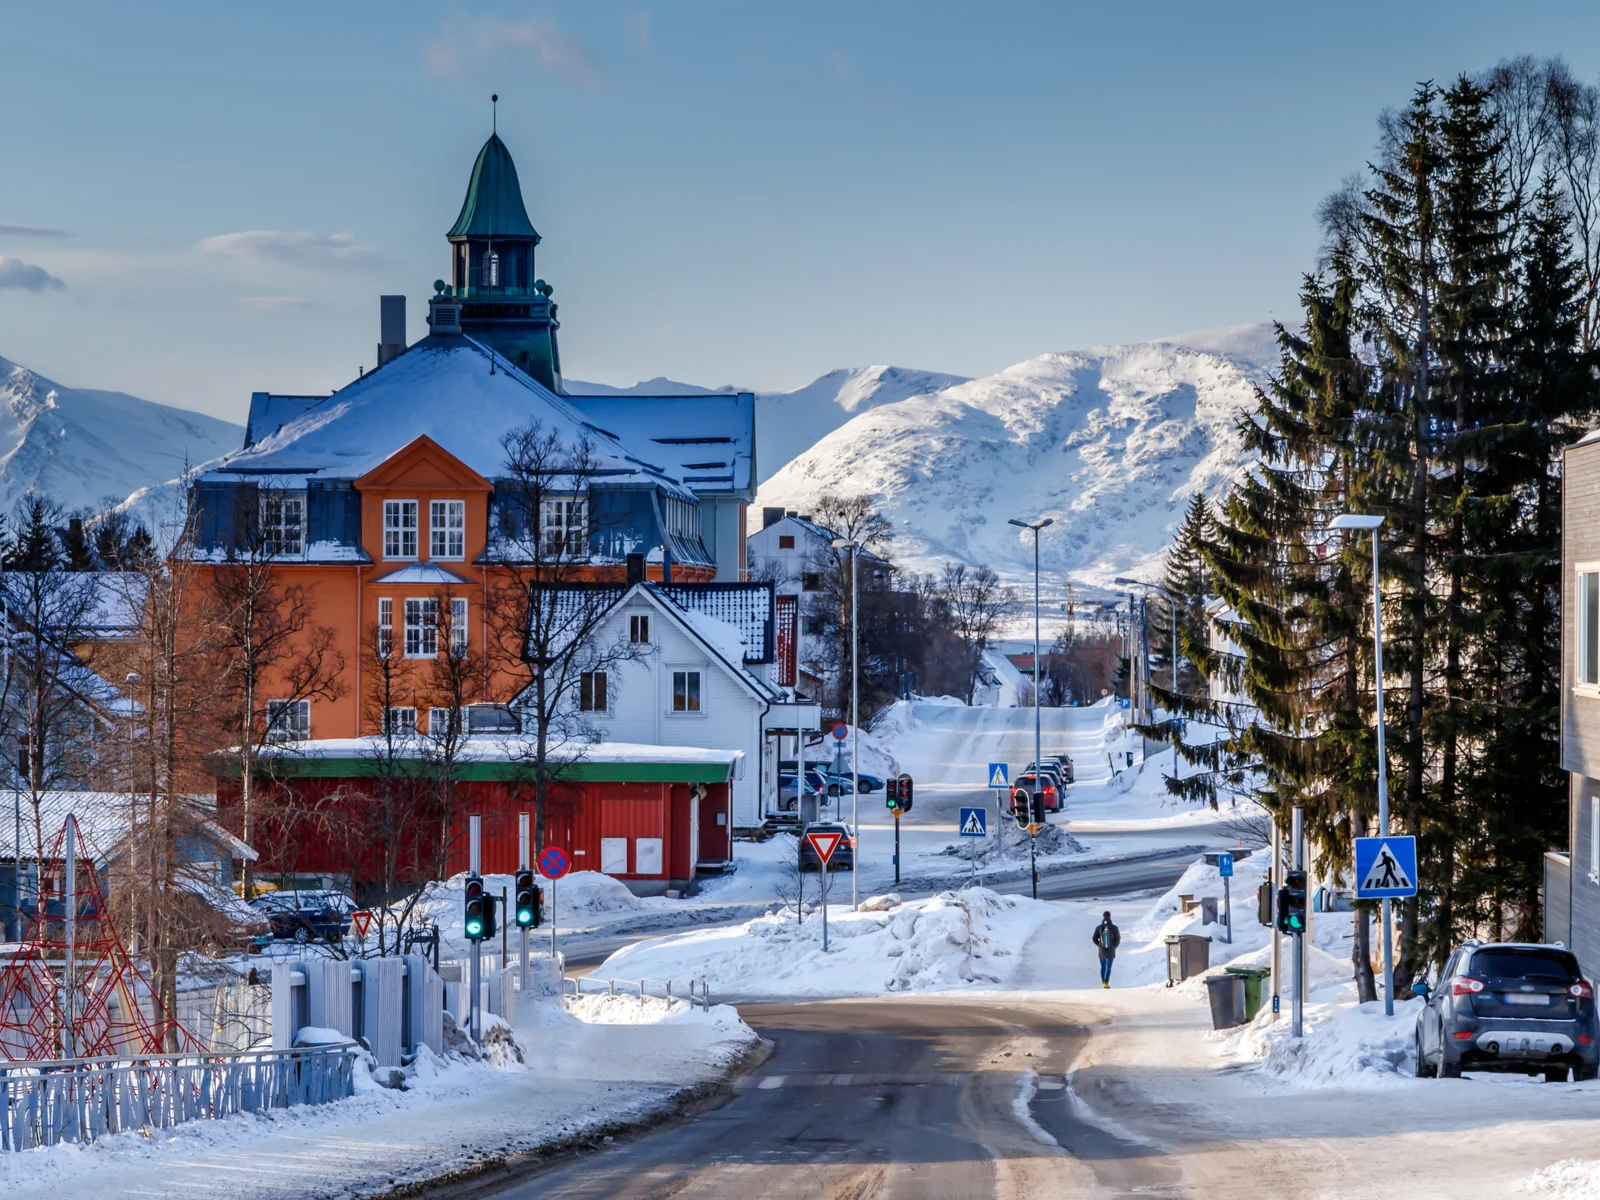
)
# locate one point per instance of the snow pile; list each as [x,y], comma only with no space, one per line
[580,896]
[721,1021]
[1344,1044]
[1569,1179]
[951,940]
[876,757]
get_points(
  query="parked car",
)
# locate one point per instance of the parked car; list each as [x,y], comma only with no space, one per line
[838,785]
[307,916]
[1509,1006]
[869,783]
[1025,785]
[1051,771]
[844,854]
[1066,765]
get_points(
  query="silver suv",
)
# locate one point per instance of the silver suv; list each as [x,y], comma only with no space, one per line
[1508,1006]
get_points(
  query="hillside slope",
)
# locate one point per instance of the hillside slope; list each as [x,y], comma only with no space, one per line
[1110,442]
[81,445]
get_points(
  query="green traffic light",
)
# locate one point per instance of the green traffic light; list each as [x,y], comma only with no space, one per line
[474,927]
[525,916]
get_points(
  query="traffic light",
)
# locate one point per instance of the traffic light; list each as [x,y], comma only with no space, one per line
[491,909]
[529,902]
[905,792]
[476,922]
[1292,903]
[1037,805]
[891,794]
[1264,904]
[1021,805]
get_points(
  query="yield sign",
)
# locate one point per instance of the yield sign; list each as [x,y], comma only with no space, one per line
[362,921]
[825,842]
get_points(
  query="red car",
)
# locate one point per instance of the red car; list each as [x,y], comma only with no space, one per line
[1022,792]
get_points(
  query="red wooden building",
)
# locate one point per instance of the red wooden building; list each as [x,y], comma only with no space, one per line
[648,815]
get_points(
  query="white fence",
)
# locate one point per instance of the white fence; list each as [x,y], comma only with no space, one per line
[79,1100]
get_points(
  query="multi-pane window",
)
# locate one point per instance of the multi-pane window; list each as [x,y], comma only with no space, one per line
[458,626]
[1589,627]
[810,581]
[385,627]
[639,629]
[288,720]
[491,269]
[402,722]
[283,523]
[447,529]
[444,722]
[566,526]
[686,691]
[592,691]
[399,528]
[422,627]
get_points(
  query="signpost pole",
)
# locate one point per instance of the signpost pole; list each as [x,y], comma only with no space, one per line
[1033,859]
[1227,907]
[823,870]
[522,865]
[1298,849]
[1274,881]
[474,826]
[1383,774]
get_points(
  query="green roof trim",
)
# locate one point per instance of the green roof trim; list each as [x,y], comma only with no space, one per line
[287,766]
[493,207]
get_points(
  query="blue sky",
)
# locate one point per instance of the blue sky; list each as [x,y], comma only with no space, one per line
[737,192]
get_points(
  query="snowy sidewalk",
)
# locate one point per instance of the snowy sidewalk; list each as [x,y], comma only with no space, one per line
[582,1078]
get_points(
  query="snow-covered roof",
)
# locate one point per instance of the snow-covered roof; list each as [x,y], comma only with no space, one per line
[451,389]
[498,756]
[746,607]
[269,413]
[117,606]
[105,818]
[428,573]
[707,442]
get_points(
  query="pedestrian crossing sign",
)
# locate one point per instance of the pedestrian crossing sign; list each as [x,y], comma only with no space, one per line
[974,822]
[1386,867]
[999,775]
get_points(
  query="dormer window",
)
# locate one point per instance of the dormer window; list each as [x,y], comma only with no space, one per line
[447,529]
[283,522]
[400,529]
[566,527]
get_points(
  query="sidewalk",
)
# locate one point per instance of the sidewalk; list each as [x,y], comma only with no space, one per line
[583,1079]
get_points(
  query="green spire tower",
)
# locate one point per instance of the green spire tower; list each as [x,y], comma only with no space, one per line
[502,303]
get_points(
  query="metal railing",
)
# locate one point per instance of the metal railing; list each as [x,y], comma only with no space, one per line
[686,988]
[80,1100]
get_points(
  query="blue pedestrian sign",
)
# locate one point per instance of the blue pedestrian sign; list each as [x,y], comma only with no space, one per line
[974,822]
[999,775]
[1386,867]
[1225,865]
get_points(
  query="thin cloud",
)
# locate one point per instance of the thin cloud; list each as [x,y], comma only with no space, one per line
[40,231]
[537,40]
[270,303]
[14,273]
[296,249]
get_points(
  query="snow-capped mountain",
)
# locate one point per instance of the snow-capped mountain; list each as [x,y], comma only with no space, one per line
[81,445]
[789,423]
[1110,442]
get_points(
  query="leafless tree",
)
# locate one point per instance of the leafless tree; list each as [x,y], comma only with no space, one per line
[976,601]
[272,654]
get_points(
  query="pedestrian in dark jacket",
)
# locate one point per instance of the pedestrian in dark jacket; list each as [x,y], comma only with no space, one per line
[1108,937]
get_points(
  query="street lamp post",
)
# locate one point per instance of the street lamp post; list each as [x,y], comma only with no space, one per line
[855,723]
[1371,525]
[1038,739]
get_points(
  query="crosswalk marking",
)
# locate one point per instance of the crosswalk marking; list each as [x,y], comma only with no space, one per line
[820,1079]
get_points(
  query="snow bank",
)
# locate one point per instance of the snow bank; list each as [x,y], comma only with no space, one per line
[581,895]
[952,940]
[1344,1044]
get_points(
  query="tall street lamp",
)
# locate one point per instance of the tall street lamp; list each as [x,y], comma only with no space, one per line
[1371,524]
[1038,748]
[855,722]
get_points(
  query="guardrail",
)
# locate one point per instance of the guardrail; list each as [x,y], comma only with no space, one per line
[687,988]
[80,1100]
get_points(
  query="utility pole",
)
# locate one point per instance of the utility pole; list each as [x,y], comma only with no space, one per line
[1274,882]
[523,864]
[855,729]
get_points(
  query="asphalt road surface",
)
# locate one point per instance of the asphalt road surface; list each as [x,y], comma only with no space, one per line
[882,1099]
[1071,882]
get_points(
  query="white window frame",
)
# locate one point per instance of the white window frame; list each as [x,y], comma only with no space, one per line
[458,625]
[564,526]
[439,722]
[283,535]
[447,530]
[400,720]
[639,629]
[385,626]
[605,692]
[698,707]
[297,728]
[399,536]
[1586,632]
[422,633]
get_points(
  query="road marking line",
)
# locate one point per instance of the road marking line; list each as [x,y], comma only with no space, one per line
[770,1082]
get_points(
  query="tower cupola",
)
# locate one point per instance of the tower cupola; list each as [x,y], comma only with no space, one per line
[502,302]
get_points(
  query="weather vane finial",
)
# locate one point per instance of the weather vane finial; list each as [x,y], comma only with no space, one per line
[494,112]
